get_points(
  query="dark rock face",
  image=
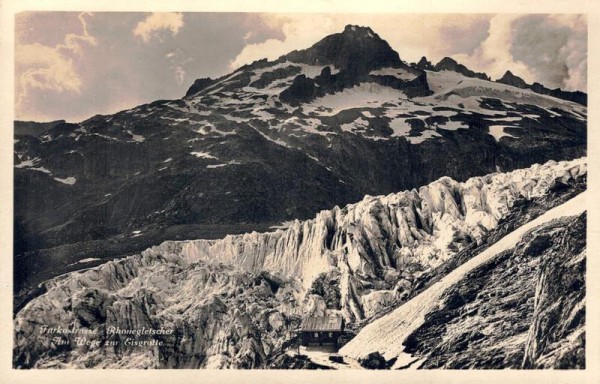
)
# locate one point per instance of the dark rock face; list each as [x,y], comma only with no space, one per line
[356,50]
[301,90]
[268,78]
[327,286]
[448,64]
[424,64]
[556,338]
[524,309]
[417,87]
[199,85]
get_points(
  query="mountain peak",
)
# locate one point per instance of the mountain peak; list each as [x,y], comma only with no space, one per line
[449,64]
[359,31]
[356,49]
[510,79]
[423,64]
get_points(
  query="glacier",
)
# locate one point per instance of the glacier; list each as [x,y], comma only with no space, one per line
[233,302]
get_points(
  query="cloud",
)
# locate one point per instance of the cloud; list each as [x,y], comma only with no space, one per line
[155,23]
[299,31]
[46,68]
[554,47]
[178,59]
[493,56]
[73,42]
[549,49]
[43,67]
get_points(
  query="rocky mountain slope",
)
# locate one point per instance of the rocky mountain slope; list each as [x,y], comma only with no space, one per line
[520,304]
[271,142]
[235,302]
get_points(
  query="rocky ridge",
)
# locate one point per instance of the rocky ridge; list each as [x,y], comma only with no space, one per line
[510,79]
[483,313]
[539,285]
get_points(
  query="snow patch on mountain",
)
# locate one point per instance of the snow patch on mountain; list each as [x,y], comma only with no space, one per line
[363,95]
[400,127]
[355,126]
[262,114]
[136,138]
[367,114]
[88,260]
[451,88]
[425,135]
[399,73]
[202,155]
[28,163]
[231,162]
[452,125]
[444,113]
[32,165]
[210,129]
[497,131]
[214,88]
[269,138]
[67,180]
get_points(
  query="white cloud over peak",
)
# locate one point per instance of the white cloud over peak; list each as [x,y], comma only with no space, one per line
[156,23]
[494,55]
[300,31]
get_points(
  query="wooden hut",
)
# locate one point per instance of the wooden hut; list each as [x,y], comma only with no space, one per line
[324,331]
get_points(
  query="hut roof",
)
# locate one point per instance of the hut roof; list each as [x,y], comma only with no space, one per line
[322,324]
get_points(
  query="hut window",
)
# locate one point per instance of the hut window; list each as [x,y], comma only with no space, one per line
[316,334]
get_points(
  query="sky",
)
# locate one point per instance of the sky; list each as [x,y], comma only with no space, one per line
[72,66]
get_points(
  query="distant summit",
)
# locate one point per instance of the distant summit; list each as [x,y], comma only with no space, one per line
[510,79]
[423,64]
[448,64]
[515,81]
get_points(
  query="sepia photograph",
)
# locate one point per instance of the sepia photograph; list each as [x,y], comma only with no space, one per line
[257,190]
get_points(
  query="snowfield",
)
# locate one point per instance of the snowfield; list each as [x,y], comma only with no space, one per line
[363,95]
